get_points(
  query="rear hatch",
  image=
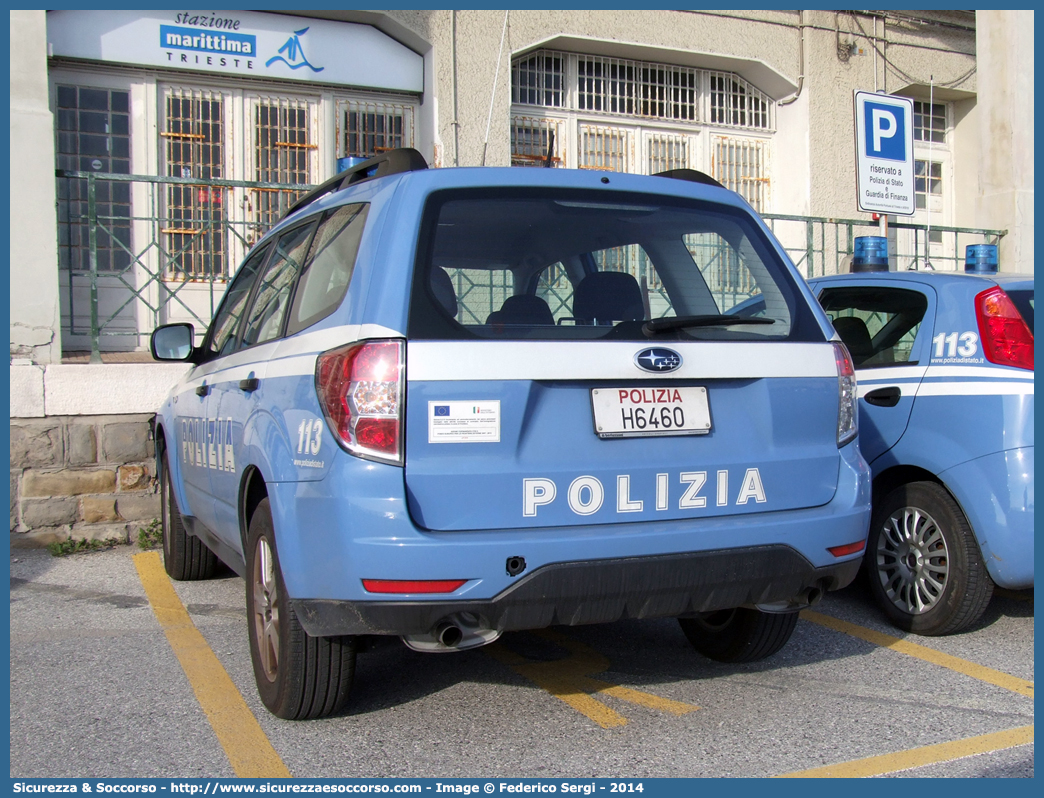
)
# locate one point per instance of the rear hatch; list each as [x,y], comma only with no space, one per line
[573,359]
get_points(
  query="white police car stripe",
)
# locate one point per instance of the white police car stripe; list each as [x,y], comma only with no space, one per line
[975,389]
[611,360]
[987,372]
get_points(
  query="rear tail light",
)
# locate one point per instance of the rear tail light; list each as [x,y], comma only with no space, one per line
[360,390]
[848,548]
[1006,340]
[412,585]
[847,409]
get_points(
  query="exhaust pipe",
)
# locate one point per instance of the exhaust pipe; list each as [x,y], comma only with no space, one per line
[448,635]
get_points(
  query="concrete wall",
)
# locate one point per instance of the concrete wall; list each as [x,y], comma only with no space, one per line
[1006,130]
[35,315]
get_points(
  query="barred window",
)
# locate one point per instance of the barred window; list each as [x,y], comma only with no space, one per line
[530,138]
[736,103]
[742,165]
[644,89]
[367,128]
[538,79]
[929,122]
[284,152]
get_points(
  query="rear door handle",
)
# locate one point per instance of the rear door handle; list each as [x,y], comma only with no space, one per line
[250,384]
[202,390]
[884,397]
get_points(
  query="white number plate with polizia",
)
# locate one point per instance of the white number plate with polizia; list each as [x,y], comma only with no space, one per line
[645,412]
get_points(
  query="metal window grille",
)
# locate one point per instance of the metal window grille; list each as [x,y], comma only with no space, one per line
[194,227]
[724,271]
[636,88]
[530,137]
[92,128]
[369,128]
[742,165]
[736,103]
[284,152]
[539,79]
[665,152]
[929,122]
[605,148]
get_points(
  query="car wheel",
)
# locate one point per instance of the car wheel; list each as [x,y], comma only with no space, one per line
[740,634]
[298,676]
[185,557]
[925,568]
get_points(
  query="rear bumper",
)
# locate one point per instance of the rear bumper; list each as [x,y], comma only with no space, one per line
[598,591]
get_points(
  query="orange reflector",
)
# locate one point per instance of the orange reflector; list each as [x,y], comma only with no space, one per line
[848,548]
[412,585]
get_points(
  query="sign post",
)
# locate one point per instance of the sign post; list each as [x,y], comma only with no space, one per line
[884,154]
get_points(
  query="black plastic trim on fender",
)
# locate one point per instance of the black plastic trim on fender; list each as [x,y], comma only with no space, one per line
[229,556]
[598,591]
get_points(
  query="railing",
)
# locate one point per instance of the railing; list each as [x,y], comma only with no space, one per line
[126,271]
[819,245]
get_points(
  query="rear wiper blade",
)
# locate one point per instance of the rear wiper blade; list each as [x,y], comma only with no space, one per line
[681,322]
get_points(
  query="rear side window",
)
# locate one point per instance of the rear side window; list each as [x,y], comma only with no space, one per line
[329,267]
[544,264]
[878,325]
[222,338]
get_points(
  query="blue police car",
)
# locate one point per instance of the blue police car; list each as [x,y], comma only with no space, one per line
[944,362]
[444,404]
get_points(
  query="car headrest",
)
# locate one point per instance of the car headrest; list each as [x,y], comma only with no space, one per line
[605,297]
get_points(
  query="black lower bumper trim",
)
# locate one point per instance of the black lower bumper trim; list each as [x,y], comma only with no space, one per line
[598,591]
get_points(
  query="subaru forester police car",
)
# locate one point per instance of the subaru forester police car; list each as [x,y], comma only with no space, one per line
[443,404]
[945,368]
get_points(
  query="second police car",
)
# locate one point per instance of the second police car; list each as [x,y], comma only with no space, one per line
[945,368]
[445,404]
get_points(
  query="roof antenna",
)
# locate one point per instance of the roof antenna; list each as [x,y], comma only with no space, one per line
[550,149]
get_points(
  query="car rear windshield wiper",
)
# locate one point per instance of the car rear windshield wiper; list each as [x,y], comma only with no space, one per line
[681,322]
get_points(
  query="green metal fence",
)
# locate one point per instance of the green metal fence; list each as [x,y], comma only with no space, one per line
[136,251]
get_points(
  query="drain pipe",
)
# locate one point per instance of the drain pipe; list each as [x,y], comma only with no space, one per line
[456,122]
[801,59]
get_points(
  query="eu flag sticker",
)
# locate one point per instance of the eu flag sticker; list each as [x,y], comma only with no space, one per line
[464,421]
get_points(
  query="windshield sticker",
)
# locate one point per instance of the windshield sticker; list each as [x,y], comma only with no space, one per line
[464,422]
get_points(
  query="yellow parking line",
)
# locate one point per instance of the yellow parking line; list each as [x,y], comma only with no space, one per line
[569,680]
[248,749]
[980,672]
[919,757]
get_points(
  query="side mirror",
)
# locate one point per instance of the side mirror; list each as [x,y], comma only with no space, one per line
[173,342]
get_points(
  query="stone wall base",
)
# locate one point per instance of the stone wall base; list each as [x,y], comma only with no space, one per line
[90,477]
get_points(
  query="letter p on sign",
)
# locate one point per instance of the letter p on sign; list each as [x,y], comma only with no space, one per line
[885,126]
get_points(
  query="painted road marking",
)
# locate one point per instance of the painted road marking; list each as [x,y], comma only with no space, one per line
[248,749]
[919,757]
[980,672]
[569,680]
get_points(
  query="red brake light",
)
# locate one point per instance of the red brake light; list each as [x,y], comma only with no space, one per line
[412,585]
[360,390]
[1006,340]
[848,548]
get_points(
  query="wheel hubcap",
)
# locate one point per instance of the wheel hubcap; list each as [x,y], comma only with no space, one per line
[266,609]
[912,560]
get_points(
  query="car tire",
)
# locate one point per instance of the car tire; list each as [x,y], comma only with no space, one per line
[739,635]
[185,557]
[298,676]
[924,563]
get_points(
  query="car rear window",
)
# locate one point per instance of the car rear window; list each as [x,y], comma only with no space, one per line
[1023,300]
[566,265]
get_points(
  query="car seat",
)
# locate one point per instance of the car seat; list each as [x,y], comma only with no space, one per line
[607,297]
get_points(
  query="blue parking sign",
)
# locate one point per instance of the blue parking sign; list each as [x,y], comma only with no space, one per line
[885,127]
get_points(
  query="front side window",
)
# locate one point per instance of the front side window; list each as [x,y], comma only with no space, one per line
[566,265]
[878,325]
[222,337]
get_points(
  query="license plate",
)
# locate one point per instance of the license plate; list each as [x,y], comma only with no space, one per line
[647,412]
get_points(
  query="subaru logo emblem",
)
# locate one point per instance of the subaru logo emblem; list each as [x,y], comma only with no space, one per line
[658,360]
